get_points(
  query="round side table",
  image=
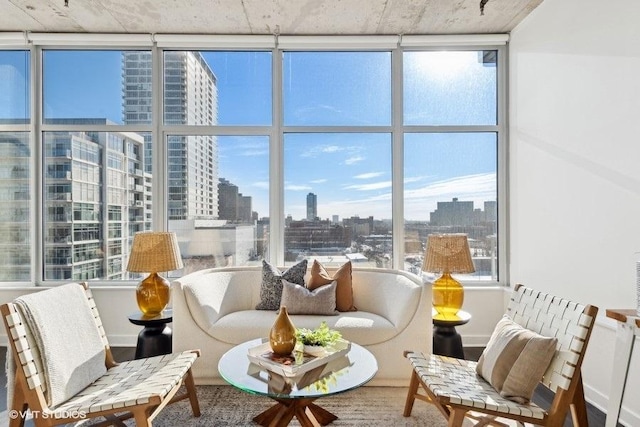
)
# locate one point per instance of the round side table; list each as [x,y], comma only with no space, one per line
[155,337]
[446,340]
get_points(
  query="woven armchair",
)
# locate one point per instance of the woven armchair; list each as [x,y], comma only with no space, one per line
[455,388]
[137,389]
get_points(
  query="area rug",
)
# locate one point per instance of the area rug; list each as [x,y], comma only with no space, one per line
[225,406]
[366,406]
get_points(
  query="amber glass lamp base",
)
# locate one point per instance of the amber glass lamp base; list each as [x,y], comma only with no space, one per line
[448,295]
[152,295]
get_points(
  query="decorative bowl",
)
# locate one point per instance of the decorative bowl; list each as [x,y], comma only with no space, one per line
[314,350]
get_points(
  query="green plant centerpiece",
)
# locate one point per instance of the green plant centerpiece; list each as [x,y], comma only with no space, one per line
[316,341]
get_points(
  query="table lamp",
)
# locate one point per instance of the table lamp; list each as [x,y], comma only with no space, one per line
[446,254]
[152,252]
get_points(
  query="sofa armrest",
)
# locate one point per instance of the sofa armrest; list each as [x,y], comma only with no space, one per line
[208,295]
[394,294]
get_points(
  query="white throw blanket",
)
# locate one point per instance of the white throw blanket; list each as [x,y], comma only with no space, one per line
[71,349]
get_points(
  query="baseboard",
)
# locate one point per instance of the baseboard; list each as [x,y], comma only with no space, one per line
[601,401]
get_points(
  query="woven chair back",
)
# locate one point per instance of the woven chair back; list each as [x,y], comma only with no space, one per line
[553,316]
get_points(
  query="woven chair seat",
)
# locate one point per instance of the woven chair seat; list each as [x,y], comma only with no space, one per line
[130,383]
[457,381]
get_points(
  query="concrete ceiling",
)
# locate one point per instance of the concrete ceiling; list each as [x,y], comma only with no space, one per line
[291,17]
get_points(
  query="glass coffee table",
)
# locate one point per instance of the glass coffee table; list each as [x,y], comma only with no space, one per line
[295,396]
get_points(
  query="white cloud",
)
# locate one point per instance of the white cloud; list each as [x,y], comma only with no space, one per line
[368,175]
[413,179]
[315,151]
[331,149]
[261,184]
[319,181]
[255,153]
[293,187]
[369,187]
[352,160]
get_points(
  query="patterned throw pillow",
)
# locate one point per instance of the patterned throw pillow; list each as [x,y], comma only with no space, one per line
[271,287]
[515,360]
[300,300]
[344,289]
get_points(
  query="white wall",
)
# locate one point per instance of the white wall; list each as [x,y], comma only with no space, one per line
[114,304]
[575,165]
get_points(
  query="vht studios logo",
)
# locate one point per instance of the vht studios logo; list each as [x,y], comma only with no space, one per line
[78,415]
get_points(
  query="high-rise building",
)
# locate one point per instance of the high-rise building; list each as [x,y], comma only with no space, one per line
[190,98]
[453,213]
[233,206]
[244,209]
[95,201]
[227,200]
[15,202]
[312,207]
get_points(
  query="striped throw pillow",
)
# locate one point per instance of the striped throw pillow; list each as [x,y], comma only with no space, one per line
[515,360]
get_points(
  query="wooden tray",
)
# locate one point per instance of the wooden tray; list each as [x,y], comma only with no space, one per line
[298,362]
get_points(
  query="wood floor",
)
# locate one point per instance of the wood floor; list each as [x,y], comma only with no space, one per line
[542,397]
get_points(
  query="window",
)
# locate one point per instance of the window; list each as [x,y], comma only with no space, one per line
[266,153]
[15,101]
[450,186]
[15,166]
[450,175]
[338,198]
[15,199]
[223,221]
[337,88]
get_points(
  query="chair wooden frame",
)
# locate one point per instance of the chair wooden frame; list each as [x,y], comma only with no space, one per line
[542,313]
[163,375]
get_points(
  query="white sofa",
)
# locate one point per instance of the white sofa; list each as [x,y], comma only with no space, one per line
[214,310]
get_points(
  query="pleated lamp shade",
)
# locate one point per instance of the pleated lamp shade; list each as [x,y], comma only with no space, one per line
[448,253]
[152,252]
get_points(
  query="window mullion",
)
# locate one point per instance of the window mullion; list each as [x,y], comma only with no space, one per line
[37,162]
[276,166]
[397,161]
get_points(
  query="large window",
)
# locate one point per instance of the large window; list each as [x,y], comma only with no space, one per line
[451,153]
[263,153]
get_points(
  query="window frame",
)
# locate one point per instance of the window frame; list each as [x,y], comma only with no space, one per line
[36,43]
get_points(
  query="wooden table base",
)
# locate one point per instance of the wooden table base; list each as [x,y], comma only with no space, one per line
[307,413]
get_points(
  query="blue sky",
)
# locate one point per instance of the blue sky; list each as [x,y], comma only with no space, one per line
[350,172]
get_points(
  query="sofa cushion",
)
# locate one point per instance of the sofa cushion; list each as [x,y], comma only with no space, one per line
[271,287]
[360,327]
[300,300]
[344,290]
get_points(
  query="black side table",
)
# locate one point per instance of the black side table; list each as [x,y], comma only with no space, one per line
[446,340]
[155,337]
